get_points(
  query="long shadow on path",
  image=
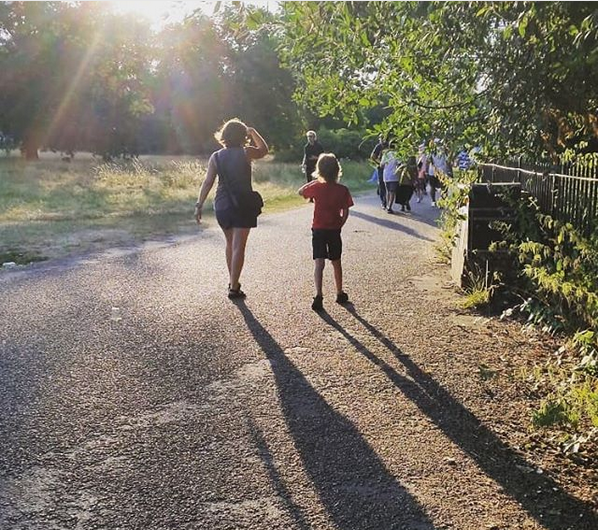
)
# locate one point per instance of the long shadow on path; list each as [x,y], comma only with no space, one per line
[538,494]
[356,489]
[390,223]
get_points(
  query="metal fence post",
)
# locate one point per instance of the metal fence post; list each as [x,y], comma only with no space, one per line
[519,169]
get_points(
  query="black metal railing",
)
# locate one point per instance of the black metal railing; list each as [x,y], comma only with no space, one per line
[568,192]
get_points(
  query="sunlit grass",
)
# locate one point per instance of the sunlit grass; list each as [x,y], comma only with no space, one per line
[54,208]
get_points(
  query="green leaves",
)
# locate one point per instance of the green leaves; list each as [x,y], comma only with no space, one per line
[512,76]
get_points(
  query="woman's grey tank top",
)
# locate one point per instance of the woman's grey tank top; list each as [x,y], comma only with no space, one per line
[236,167]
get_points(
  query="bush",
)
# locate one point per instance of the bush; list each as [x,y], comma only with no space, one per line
[344,143]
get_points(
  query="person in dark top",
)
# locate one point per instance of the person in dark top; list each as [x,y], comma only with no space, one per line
[376,157]
[241,145]
[312,150]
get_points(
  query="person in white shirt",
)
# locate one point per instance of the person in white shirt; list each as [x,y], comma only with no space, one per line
[391,178]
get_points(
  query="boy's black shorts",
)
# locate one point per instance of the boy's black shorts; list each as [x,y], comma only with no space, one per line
[326,244]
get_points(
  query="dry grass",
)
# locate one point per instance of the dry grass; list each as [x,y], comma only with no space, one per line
[54,208]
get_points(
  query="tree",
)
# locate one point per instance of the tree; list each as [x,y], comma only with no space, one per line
[261,89]
[192,87]
[64,83]
[513,76]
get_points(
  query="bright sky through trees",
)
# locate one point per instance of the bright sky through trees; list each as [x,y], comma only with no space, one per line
[162,12]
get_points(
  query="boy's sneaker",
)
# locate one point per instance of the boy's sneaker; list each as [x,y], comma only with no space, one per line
[317,305]
[342,298]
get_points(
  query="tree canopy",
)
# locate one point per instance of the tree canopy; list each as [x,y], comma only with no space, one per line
[76,76]
[511,76]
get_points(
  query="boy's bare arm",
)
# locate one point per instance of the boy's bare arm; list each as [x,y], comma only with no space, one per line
[344,216]
[300,190]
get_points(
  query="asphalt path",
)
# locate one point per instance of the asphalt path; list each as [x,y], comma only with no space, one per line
[135,395]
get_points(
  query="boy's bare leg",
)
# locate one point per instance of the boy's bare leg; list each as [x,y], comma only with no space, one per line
[338,275]
[319,274]
[239,242]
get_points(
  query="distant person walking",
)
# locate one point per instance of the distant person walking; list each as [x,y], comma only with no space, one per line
[236,211]
[390,163]
[311,151]
[440,168]
[407,174]
[331,210]
[422,173]
[376,157]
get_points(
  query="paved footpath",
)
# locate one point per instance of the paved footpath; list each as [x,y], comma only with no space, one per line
[135,395]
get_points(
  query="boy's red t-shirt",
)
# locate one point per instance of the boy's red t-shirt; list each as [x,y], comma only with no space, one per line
[329,200]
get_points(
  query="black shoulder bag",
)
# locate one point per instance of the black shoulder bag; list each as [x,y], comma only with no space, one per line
[249,202]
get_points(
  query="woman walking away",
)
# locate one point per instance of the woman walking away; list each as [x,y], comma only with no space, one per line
[235,210]
[407,179]
[331,210]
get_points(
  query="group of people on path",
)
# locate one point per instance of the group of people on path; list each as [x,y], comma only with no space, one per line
[399,180]
[235,216]
[237,206]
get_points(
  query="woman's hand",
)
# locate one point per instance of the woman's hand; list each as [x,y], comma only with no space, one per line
[197,212]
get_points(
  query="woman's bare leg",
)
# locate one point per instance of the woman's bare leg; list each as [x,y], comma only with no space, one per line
[391,199]
[228,234]
[239,242]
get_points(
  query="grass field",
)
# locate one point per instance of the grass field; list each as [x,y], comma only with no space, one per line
[52,208]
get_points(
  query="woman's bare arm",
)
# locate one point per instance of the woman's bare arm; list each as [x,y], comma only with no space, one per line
[206,187]
[260,149]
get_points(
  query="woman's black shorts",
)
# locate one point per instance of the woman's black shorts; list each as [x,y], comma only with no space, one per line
[326,244]
[233,218]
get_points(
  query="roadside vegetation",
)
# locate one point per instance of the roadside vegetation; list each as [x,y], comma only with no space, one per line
[52,208]
[552,289]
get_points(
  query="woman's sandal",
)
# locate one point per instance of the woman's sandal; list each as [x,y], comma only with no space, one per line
[234,294]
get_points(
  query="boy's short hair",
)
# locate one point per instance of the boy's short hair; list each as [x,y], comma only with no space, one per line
[232,134]
[327,168]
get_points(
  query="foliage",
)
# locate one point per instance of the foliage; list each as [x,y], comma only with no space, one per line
[65,85]
[478,287]
[491,74]
[77,77]
[558,281]
[453,203]
[344,143]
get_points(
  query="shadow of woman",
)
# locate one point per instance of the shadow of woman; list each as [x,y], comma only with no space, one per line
[356,489]
[538,494]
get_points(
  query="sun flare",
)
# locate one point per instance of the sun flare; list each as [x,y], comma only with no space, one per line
[161,12]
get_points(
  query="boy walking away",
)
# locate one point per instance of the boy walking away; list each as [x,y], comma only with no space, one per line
[331,210]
